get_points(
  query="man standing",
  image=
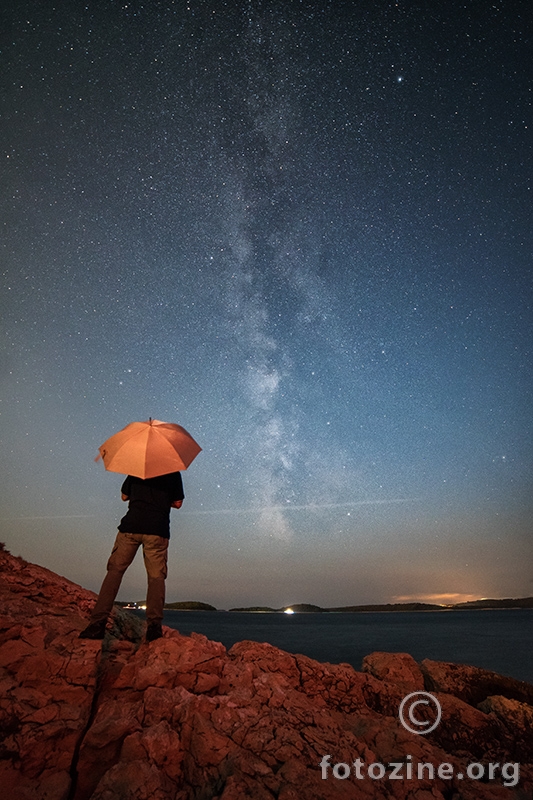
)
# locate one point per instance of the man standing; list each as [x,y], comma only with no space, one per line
[146,523]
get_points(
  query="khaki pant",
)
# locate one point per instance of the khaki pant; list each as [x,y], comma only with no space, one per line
[155,550]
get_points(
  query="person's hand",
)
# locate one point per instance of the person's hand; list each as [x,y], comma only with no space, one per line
[177,504]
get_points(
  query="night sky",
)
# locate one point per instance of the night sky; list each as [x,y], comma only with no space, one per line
[303,231]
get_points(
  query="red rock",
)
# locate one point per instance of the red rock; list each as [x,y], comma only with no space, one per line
[473,684]
[400,668]
[181,718]
[517,720]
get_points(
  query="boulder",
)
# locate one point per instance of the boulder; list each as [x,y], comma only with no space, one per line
[473,684]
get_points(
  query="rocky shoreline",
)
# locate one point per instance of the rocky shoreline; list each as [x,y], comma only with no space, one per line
[182,718]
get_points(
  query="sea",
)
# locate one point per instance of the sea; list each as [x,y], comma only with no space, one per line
[500,640]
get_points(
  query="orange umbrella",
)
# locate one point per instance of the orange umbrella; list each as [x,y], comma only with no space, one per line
[149,449]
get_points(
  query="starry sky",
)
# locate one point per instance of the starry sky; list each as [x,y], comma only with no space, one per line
[301,230]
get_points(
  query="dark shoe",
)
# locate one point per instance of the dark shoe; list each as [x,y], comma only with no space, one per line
[153,631]
[95,630]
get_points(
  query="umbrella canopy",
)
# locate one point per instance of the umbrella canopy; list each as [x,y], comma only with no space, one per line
[149,449]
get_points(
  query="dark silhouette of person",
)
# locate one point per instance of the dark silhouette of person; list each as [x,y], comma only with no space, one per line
[146,524]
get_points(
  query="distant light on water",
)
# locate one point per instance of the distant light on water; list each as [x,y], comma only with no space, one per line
[288,611]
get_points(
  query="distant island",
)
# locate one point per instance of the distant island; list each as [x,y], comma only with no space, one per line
[520,602]
[306,608]
[185,605]
[297,608]
[309,608]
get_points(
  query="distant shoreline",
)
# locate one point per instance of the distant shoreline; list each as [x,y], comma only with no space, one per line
[476,605]
[307,608]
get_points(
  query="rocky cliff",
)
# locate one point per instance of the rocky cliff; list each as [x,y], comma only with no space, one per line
[182,718]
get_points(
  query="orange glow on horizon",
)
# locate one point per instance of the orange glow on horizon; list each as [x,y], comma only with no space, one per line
[445,599]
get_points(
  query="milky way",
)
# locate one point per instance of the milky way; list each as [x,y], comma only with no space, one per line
[304,233]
